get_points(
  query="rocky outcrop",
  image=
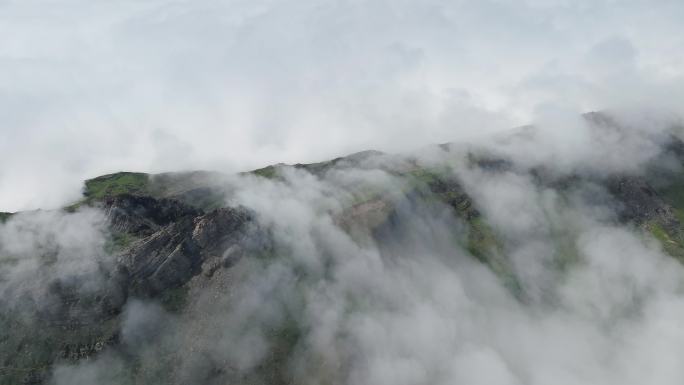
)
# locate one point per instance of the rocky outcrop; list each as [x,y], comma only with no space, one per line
[173,255]
[184,243]
[144,215]
[452,193]
[171,243]
[640,203]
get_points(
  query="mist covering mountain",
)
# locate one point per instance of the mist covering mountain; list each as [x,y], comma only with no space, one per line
[92,87]
[529,259]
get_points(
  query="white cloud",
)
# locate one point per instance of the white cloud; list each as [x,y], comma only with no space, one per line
[93,87]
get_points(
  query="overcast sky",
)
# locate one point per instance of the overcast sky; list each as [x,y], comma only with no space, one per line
[91,86]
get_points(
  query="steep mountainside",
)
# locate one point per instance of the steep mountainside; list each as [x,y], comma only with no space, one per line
[187,242]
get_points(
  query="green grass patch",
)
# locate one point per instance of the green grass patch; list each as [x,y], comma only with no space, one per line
[114,184]
[5,216]
[268,172]
[483,244]
[428,176]
[671,243]
[481,239]
[673,192]
[679,213]
[659,233]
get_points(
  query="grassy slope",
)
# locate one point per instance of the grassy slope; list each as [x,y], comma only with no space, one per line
[118,183]
[5,216]
[96,189]
[196,188]
[267,172]
[481,241]
[672,240]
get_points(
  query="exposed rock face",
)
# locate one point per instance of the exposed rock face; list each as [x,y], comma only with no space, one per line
[640,203]
[67,324]
[174,238]
[170,243]
[212,231]
[452,193]
[165,259]
[144,215]
[168,246]
[174,254]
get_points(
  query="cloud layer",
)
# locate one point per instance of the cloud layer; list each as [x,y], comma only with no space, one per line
[93,87]
[410,305]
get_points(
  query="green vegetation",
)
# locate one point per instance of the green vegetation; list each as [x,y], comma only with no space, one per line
[672,191]
[671,188]
[320,167]
[483,245]
[481,239]
[672,243]
[424,176]
[5,216]
[429,177]
[441,184]
[566,253]
[268,172]
[136,183]
[174,183]
[118,242]
[659,233]
[29,345]
[114,184]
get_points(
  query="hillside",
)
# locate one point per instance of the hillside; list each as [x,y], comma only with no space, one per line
[202,277]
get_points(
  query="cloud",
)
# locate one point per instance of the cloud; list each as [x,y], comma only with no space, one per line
[92,87]
[404,302]
[41,249]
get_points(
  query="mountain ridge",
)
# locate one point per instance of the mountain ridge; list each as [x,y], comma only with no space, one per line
[177,240]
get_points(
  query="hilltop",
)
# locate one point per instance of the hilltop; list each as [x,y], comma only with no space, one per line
[180,241]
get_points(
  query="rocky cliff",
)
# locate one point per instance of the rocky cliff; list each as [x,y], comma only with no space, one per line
[179,241]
